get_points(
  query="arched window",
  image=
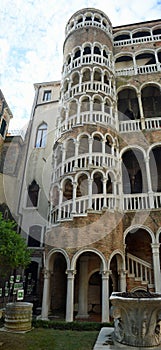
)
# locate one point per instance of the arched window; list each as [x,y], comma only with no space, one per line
[33,192]
[41,136]
[34,239]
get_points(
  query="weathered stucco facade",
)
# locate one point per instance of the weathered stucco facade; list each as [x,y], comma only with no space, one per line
[91,182]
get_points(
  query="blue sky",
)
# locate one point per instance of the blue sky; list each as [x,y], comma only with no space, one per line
[31,42]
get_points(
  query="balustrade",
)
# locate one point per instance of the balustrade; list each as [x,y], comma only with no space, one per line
[139,269]
[106,118]
[97,160]
[140,40]
[136,202]
[109,201]
[145,69]
[87,60]
[90,23]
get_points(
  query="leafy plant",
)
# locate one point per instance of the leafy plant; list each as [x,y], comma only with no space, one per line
[13,249]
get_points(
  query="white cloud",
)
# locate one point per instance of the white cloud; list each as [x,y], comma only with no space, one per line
[31,39]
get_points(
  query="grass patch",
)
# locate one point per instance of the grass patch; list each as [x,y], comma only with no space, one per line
[49,339]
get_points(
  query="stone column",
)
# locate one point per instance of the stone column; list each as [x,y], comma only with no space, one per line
[150,192]
[46,295]
[141,111]
[60,202]
[70,295]
[105,296]
[90,193]
[76,154]
[74,198]
[83,289]
[122,275]
[156,264]
[90,150]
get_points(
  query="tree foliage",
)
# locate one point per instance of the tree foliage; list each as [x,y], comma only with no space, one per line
[13,249]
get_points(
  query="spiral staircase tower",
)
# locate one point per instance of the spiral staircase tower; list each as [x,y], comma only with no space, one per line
[85,151]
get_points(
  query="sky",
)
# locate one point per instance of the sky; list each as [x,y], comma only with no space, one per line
[31,42]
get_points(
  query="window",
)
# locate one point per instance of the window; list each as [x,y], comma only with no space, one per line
[41,136]
[47,95]
[33,192]
[3,128]
[34,239]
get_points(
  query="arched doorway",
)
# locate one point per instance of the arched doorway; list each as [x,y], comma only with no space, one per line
[88,287]
[58,286]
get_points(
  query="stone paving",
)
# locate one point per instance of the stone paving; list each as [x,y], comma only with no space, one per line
[105,342]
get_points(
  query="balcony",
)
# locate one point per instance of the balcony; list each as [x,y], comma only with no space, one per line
[87,60]
[109,202]
[146,69]
[140,40]
[89,86]
[85,161]
[93,117]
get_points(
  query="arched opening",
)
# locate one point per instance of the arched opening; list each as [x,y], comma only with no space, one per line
[109,185]
[85,104]
[97,183]
[59,155]
[145,58]
[151,101]
[122,36]
[34,238]
[67,190]
[139,259]
[128,107]
[124,62]
[97,75]
[97,144]
[108,145]
[33,193]
[155,169]
[58,286]
[72,108]
[70,149]
[75,79]
[97,50]
[134,172]
[77,54]
[82,185]
[97,104]
[83,145]
[86,75]
[141,34]
[87,50]
[88,287]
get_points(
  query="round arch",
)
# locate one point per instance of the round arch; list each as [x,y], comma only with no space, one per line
[136,227]
[50,255]
[91,250]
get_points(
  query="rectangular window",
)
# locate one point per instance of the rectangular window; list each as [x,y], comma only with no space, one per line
[47,95]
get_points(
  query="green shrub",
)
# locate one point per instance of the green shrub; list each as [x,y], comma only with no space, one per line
[75,325]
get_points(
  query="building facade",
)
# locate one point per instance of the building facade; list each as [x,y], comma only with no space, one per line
[91,191]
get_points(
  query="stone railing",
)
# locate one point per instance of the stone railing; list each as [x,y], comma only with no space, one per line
[139,40]
[139,269]
[105,118]
[90,23]
[135,125]
[87,60]
[97,202]
[85,161]
[80,206]
[88,86]
[148,69]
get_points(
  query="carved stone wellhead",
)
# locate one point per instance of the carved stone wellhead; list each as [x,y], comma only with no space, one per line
[137,318]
